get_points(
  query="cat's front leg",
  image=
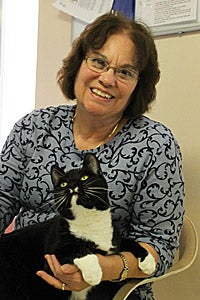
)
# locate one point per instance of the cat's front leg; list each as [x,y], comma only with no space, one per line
[148,264]
[90,268]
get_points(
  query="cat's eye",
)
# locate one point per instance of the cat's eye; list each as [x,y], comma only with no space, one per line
[85,177]
[63,184]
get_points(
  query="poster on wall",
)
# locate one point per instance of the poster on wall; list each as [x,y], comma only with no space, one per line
[85,10]
[162,16]
[169,16]
[88,10]
[157,13]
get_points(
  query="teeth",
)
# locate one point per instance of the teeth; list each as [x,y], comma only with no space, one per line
[102,94]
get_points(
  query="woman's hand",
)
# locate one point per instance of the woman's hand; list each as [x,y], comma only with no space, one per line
[66,277]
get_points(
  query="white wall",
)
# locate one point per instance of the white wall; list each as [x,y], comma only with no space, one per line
[18,62]
[54,42]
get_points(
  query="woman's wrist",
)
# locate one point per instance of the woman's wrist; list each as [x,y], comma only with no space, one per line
[124,273]
[115,268]
[112,266]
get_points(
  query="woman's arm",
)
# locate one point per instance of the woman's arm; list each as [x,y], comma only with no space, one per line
[111,265]
[11,174]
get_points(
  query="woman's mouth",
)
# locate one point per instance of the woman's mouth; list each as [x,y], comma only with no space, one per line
[101,93]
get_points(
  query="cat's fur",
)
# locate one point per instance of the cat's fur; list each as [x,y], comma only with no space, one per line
[82,228]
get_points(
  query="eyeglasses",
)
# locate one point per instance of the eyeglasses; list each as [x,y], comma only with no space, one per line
[100,65]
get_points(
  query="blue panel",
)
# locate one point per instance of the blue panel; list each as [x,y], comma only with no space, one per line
[125,6]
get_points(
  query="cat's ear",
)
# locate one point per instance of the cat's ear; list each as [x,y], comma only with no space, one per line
[56,174]
[91,162]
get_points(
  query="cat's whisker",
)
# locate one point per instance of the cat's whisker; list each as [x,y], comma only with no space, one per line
[59,201]
[90,185]
[47,204]
[54,200]
[59,197]
[98,188]
[90,182]
[57,194]
[93,194]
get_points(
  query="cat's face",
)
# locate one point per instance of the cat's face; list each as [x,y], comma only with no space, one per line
[86,186]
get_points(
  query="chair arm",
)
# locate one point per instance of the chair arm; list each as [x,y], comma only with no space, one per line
[188,253]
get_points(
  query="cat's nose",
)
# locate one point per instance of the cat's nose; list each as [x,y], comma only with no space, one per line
[74,190]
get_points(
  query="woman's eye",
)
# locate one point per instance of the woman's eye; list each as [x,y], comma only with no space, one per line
[99,63]
[125,73]
[63,184]
[85,177]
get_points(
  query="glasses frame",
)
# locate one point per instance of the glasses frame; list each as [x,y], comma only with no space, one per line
[107,67]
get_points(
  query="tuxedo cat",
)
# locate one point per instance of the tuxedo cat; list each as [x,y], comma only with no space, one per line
[82,228]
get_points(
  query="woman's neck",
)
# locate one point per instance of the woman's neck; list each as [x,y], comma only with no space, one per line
[91,132]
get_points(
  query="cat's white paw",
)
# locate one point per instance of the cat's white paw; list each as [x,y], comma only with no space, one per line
[148,265]
[90,268]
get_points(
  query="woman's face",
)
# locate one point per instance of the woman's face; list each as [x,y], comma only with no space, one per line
[104,94]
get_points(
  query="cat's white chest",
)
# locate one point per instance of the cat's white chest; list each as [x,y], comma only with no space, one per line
[93,225]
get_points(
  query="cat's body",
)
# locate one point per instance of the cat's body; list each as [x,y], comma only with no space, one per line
[82,228]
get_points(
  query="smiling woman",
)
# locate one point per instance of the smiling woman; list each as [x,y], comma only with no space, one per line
[104,95]
[139,157]
[18,57]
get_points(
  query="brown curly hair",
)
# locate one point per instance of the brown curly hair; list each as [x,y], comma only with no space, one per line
[94,36]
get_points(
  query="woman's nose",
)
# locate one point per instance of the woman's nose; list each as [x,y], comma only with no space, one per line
[108,78]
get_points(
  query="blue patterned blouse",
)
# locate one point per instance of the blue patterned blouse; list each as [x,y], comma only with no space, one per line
[142,165]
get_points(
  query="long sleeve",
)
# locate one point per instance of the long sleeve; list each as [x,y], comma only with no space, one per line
[37,141]
[12,166]
[147,188]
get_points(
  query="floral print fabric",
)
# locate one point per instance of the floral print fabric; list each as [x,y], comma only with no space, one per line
[142,166]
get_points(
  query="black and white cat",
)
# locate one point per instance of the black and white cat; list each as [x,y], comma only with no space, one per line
[82,228]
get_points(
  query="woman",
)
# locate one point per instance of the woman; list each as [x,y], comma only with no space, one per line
[112,72]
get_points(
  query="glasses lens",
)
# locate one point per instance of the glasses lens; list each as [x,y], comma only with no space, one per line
[126,74]
[97,64]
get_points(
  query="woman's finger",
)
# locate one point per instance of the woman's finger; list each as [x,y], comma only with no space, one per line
[50,262]
[54,264]
[52,280]
[69,269]
[57,269]
[67,277]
